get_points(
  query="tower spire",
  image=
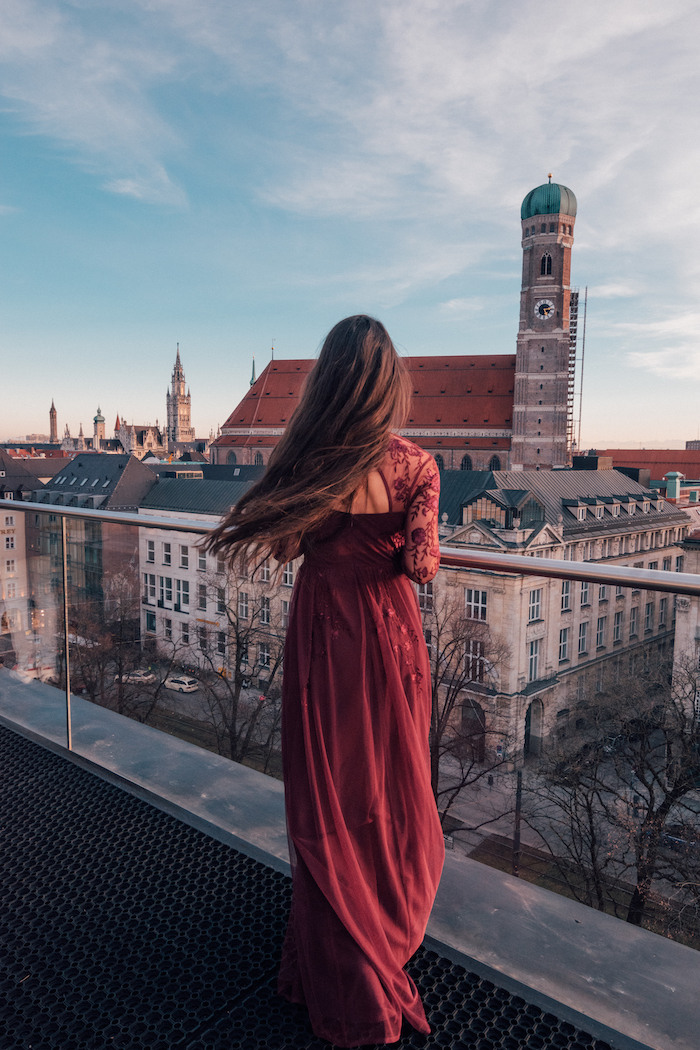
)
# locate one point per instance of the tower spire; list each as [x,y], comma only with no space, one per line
[252,378]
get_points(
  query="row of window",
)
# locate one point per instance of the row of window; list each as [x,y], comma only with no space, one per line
[264,572]
[162,586]
[206,640]
[566,228]
[466,464]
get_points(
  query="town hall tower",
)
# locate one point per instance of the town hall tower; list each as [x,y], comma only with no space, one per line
[179,427]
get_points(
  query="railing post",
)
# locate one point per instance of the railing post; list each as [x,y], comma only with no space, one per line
[516,832]
[66,654]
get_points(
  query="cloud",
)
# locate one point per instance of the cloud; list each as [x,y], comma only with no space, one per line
[676,354]
[614,290]
[458,309]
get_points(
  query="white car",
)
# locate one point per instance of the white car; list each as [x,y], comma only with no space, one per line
[181,683]
[137,677]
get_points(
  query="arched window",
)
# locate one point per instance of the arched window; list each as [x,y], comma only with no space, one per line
[494,463]
[466,463]
[543,227]
[259,459]
[440,462]
[546,264]
[231,458]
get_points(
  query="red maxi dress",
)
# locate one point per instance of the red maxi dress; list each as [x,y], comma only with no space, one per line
[365,838]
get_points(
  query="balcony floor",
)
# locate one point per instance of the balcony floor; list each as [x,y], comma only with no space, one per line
[125,928]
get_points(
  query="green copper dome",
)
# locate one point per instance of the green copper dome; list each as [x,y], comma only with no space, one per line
[548,199]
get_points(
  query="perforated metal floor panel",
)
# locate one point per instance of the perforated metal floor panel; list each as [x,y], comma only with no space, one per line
[121,927]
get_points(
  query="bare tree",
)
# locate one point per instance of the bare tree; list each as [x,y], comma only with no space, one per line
[613,792]
[466,744]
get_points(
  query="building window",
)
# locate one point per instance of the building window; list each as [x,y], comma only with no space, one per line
[167,554]
[619,591]
[9,543]
[150,551]
[584,593]
[259,461]
[242,605]
[220,564]
[653,565]
[679,563]
[285,614]
[534,605]
[599,511]
[183,592]
[583,638]
[9,520]
[265,571]
[649,616]
[564,644]
[264,654]
[616,510]
[494,463]
[600,632]
[475,604]
[565,595]
[202,638]
[602,593]
[185,633]
[202,596]
[288,575]
[474,661]
[667,564]
[165,588]
[220,600]
[149,586]
[439,462]
[168,630]
[663,611]
[221,643]
[151,622]
[265,610]
[633,621]
[546,263]
[425,596]
[184,557]
[533,657]
[466,463]
[581,513]
[10,567]
[617,627]
[202,560]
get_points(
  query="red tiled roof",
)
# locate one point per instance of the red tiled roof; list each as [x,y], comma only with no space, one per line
[473,391]
[659,461]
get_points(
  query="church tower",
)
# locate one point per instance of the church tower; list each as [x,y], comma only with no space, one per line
[53,425]
[546,348]
[98,430]
[177,403]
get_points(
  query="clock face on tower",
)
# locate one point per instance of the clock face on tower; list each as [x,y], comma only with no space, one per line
[544,309]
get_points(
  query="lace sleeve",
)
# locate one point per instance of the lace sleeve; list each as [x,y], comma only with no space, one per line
[421,554]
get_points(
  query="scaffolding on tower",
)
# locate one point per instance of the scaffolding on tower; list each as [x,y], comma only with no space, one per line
[571,387]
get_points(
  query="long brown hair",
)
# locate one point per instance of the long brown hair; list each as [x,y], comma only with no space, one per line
[356,394]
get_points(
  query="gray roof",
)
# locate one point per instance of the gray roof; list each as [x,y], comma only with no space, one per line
[195,496]
[100,480]
[552,488]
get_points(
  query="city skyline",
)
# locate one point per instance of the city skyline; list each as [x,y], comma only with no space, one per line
[222,178]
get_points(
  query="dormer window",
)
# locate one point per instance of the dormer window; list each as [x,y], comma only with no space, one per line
[599,512]
[631,507]
[645,507]
[616,510]
[581,514]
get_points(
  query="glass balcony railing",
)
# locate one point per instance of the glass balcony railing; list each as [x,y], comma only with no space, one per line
[555,686]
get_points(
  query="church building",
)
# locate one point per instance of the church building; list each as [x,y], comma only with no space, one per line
[472,412]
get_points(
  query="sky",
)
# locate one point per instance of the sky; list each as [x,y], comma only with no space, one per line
[224,174]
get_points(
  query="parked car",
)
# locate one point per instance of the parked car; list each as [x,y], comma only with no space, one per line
[136,677]
[181,683]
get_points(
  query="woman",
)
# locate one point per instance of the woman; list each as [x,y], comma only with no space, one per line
[360,504]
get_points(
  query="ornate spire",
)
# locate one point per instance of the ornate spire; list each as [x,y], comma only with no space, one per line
[252,378]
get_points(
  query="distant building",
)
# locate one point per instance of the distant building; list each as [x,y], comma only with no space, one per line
[53,425]
[471,412]
[178,408]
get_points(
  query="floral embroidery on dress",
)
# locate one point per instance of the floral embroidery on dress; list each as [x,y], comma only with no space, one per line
[414,482]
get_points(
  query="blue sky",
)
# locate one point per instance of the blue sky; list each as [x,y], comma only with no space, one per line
[224,173]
